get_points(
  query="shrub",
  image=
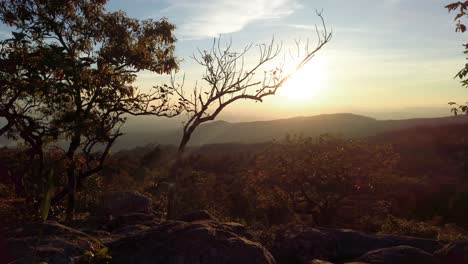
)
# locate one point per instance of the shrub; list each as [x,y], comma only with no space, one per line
[399,226]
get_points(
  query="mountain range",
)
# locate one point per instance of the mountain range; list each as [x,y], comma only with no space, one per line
[344,125]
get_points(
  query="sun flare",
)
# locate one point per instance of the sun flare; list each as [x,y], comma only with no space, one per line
[307,82]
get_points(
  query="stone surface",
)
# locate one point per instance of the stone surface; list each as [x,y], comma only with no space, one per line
[141,238]
[294,246]
[398,254]
[130,219]
[48,242]
[453,253]
[300,244]
[177,242]
[318,261]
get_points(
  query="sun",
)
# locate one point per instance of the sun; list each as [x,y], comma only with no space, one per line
[307,82]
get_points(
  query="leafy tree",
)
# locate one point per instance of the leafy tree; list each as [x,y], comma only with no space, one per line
[75,65]
[230,79]
[313,176]
[20,93]
[461,9]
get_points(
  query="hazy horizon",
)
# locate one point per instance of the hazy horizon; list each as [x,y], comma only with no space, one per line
[162,124]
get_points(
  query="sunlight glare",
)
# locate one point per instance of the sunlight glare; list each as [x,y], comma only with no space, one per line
[307,82]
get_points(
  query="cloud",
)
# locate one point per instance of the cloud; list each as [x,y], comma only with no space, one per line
[210,18]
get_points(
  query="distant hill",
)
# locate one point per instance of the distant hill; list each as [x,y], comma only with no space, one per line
[345,125]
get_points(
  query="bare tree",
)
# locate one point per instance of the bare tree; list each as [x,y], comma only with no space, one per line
[230,79]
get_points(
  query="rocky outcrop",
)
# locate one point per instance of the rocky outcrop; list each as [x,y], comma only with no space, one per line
[141,238]
[135,238]
[202,242]
[398,254]
[48,242]
[302,244]
[292,246]
[453,253]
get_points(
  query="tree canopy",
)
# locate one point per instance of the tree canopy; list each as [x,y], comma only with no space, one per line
[67,76]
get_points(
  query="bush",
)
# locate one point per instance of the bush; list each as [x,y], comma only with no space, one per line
[403,227]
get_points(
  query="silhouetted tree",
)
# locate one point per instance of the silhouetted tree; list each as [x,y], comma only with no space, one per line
[21,93]
[77,64]
[461,8]
[229,79]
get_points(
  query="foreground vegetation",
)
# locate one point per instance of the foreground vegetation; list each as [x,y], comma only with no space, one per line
[410,182]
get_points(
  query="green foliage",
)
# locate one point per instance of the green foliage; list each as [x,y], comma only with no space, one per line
[102,256]
[461,9]
[397,226]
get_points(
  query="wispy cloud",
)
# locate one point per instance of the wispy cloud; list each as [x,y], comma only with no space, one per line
[210,18]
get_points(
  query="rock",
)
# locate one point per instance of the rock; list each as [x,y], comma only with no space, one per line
[300,244]
[48,242]
[239,229]
[123,203]
[353,243]
[453,253]
[201,215]
[130,219]
[129,230]
[3,249]
[294,246]
[176,242]
[399,254]
[318,261]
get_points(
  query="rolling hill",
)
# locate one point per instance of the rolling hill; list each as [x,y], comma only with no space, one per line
[345,125]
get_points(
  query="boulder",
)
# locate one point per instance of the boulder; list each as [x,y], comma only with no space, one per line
[48,242]
[318,261]
[239,229]
[177,242]
[130,219]
[352,244]
[453,253]
[399,254]
[123,203]
[299,244]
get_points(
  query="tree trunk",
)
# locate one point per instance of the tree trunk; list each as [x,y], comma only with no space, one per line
[172,195]
[71,174]
[71,194]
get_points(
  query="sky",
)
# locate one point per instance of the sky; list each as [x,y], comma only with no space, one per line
[385,56]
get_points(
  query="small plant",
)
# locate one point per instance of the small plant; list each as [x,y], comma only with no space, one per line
[45,206]
[100,257]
